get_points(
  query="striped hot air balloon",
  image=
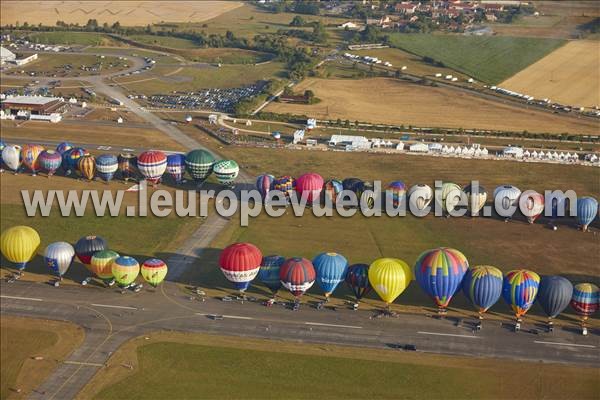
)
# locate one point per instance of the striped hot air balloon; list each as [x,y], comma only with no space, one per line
[357,279]
[101,264]
[125,269]
[240,263]
[585,299]
[154,271]
[63,147]
[30,154]
[87,246]
[87,167]
[106,166]
[71,158]
[226,171]
[396,192]
[199,164]
[50,161]
[331,269]
[264,184]
[309,186]
[482,285]
[127,165]
[519,290]
[440,272]
[59,257]
[19,245]
[268,273]
[331,189]
[152,165]
[11,155]
[297,275]
[587,209]
[176,166]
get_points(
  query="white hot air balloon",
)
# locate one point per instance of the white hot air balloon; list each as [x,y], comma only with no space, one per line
[11,155]
[505,197]
[420,195]
[58,257]
[531,204]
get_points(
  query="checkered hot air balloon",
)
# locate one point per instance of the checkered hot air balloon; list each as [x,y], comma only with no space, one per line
[285,184]
[152,165]
[226,171]
[199,164]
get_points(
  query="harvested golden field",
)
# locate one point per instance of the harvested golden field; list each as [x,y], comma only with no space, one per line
[386,100]
[128,13]
[568,75]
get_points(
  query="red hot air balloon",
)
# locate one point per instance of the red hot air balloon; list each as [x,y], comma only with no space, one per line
[240,263]
[152,165]
[297,275]
[309,186]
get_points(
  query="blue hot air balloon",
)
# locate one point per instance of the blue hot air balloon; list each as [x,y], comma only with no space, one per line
[331,270]
[176,166]
[554,295]
[268,273]
[106,166]
[482,285]
[63,147]
[587,209]
[357,278]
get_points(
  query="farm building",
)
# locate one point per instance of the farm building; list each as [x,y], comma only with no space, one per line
[353,142]
[32,105]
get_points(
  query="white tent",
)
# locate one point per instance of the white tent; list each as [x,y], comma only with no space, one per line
[541,155]
[471,150]
[527,153]
[561,156]
[534,154]
[389,143]
[484,152]
[400,146]
[445,149]
[478,152]
[451,150]
[555,155]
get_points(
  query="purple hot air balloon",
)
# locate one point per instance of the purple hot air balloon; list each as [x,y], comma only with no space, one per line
[264,184]
[50,161]
[176,166]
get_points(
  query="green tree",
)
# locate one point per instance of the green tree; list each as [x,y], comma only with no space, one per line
[298,21]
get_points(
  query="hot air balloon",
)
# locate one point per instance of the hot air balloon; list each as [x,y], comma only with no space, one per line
[101,264]
[125,269]
[127,165]
[482,285]
[450,196]
[506,196]
[420,195]
[331,189]
[152,165]
[50,161]
[297,275]
[554,295]
[87,246]
[389,277]
[188,118]
[154,271]
[268,273]
[587,209]
[2,146]
[264,184]
[11,155]
[240,263]
[226,171]
[560,206]
[476,198]
[519,290]
[59,257]
[357,278]
[199,163]
[176,166]
[285,184]
[71,158]
[397,193]
[106,166]
[63,147]
[87,167]
[440,272]
[309,186]
[331,270]
[534,205]
[585,301]
[354,185]
[19,245]
[30,154]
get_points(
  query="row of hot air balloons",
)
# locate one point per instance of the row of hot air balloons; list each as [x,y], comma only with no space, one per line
[316,189]
[19,245]
[151,165]
[440,272]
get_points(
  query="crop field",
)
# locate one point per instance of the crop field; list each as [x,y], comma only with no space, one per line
[70,38]
[560,79]
[24,338]
[174,365]
[66,65]
[130,13]
[390,101]
[490,59]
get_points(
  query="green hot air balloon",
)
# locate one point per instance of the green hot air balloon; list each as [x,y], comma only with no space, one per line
[199,164]
[226,171]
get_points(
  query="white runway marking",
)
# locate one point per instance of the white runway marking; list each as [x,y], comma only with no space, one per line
[236,317]
[565,344]
[21,298]
[86,364]
[333,325]
[448,334]
[111,306]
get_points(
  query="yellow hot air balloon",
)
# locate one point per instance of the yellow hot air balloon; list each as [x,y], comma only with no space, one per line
[389,277]
[19,245]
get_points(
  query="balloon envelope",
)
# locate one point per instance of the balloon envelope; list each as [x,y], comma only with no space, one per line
[71,157]
[176,166]
[476,198]
[587,209]
[507,196]
[554,294]
[59,257]
[285,184]
[101,263]
[330,269]
[482,285]
[420,195]
[199,164]
[240,263]
[127,165]
[87,166]
[125,269]
[19,244]
[389,277]
[30,155]
[11,155]
[154,271]
[450,196]
[87,246]
[519,290]
[50,161]
[331,190]
[63,147]
[226,171]
[585,299]
[268,273]
[297,275]
[357,278]
[397,192]
[106,166]
[152,165]
[309,186]
[534,205]
[264,184]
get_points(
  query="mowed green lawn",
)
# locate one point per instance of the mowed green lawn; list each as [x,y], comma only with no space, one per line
[490,59]
[72,38]
[185,371]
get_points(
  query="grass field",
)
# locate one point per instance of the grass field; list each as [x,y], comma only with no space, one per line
[557,77]
[129,13]
[177,365]
[54,65]
[490,59]
[166,41]
[25,338]
[390,101]
[70,38]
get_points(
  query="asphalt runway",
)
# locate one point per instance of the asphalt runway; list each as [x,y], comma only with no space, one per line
[110,318]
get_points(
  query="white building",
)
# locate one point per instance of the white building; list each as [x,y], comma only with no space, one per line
[212,118]
[400,146]
[349,25]
[6,56]
[298,136]
[515,152]
[359,142]
[419,148]
[311,123]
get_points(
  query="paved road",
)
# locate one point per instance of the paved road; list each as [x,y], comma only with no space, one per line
[109,318]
